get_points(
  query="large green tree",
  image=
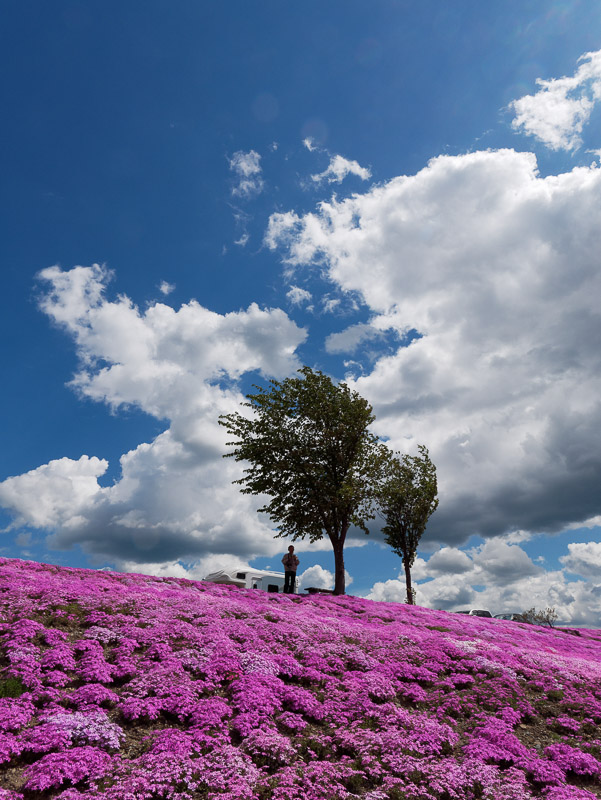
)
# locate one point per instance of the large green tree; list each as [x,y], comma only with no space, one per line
[308,447]
[407,498]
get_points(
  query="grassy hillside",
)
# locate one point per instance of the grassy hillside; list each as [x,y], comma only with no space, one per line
[129,687]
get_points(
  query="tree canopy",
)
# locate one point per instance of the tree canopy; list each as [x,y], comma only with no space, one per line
[407,497]
[309,449]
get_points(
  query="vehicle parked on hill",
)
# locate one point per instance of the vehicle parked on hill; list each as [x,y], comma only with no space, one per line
[249,578]
[477,612]
[513,617]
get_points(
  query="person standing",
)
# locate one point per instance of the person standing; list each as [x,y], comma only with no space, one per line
[290,562]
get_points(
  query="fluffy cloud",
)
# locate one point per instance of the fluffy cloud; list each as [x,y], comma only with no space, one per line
[453,580]
[338,169]
[448,560]
[449,594]
[497,269]
[166,288]
[557,113]
[54,494]
[297,296]
[584,558]
[503,563]
[175,499]
[348,340]
[247,168]
[320,578]
[316,576]
[164,361]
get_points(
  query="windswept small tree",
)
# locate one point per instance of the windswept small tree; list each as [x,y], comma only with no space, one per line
[407,498]
[547,617]
[308,447]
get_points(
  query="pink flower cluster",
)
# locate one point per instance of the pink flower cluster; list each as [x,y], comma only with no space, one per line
[128,687]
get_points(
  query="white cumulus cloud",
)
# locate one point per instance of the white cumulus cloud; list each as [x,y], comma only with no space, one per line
[316,576]
[498,269]
[448,560]
[320,578]
[338,169]
[557,112]
[584,558]
[297,296]
[174,500]
[54,494]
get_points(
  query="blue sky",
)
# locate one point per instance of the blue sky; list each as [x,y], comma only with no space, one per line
[406,195]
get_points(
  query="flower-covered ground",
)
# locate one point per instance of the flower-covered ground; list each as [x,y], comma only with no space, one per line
[129,687]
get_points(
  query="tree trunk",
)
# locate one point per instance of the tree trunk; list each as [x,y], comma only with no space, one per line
[408,583]
[339,579]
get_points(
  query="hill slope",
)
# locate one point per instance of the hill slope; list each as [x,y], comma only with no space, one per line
[129,687]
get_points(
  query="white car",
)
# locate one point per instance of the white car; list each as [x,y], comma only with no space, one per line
[477,612]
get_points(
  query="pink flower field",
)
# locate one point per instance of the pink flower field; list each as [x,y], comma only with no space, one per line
[129,687]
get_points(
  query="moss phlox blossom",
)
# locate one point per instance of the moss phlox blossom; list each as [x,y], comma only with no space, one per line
[130,687]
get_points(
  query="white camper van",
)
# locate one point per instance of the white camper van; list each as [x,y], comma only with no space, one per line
[249,578]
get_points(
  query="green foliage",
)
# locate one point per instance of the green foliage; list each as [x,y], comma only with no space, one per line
[73,608]
[356,784]
[397,793]
[308,448]
[11,687]
[407,498]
